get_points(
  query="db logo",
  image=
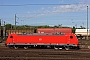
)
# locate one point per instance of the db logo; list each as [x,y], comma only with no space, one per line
[40,39]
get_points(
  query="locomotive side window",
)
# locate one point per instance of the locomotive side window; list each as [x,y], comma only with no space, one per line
[11,36]
[71,37]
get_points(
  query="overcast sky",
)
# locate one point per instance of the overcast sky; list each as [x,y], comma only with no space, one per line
[45,12]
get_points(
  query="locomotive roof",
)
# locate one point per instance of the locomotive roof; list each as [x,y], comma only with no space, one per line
[43,34]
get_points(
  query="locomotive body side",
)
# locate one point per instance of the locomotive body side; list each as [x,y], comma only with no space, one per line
[45,40]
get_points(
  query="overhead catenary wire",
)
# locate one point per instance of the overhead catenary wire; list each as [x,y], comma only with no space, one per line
[38,4]
[34,4]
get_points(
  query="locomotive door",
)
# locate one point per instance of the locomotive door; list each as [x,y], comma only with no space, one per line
[68,39]
[13,39]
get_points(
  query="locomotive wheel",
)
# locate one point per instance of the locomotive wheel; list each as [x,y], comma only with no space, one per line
[60,48]
[25,47]
[10,47]
[67,48]
[15,47]
[55,48]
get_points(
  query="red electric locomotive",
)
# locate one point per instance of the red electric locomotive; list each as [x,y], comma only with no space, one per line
[57,40]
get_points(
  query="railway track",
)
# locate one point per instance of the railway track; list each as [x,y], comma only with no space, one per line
[43,54]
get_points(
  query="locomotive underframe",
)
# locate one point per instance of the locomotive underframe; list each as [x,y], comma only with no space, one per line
[63,46]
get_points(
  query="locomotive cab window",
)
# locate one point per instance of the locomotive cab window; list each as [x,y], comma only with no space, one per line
[71,37]
[11,36]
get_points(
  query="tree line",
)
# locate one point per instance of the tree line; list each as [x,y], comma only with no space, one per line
[28,27]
